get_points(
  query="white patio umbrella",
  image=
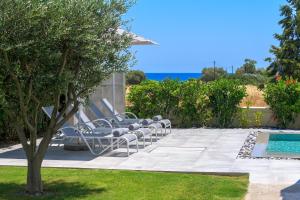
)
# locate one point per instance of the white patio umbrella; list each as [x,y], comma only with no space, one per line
[136,40]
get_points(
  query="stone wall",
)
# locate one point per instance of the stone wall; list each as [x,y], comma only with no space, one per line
[268,119]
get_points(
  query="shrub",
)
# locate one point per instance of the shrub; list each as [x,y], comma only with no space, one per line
[134,77]
[168,97]
[193,109]
[189,103]
[250,79]
[283,97]
[211,73]
[186,103]
[144,99]
[224,96]
[258,118]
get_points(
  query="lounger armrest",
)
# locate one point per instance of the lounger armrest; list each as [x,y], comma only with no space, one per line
[98,122]
[83,126]
[129,115]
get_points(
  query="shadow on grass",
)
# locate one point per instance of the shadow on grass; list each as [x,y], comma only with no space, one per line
[52,190]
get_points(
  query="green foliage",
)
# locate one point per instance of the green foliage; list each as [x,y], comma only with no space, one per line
[250,79]
[224,96]
[134,77]
[244,117]
[168,97]
[184,102]
[54,48]
[193,109]
[144,99]
[50,49]
[249,67]
[284,99]
[211,73]
[258,117]
[287,54]
[189,103]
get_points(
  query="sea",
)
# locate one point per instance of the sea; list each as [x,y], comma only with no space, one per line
[179,76]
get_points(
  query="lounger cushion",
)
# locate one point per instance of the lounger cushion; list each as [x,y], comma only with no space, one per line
[147,122]
[118,132]
[103,131]
[157,118]
[129,137]
[134,126]
[165,123]
[155,125]
[145,131]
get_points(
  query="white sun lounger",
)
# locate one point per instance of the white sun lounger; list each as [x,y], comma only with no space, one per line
[140,132]
[125,118]
[93,139]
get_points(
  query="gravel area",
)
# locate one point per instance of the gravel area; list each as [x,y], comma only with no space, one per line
[248,146]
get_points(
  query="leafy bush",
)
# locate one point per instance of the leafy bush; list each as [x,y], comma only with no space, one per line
[284,99]
[134,77]
[224,96]
[186,103]
[189,103]
[250,79]
[211,73]
[168,97]
[193,109]
[144,99]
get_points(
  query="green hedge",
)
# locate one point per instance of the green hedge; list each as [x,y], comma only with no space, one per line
[189,103]
[283,97]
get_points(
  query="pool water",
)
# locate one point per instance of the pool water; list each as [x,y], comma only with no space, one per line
[284,143]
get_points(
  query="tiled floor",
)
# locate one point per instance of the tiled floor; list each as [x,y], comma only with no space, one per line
[186,150]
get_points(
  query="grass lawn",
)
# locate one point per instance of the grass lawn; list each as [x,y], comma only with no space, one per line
[122,185]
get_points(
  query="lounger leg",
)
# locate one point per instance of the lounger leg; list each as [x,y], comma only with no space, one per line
[112,143]
[127,142]
[137,146]
[151,138]
[144,141]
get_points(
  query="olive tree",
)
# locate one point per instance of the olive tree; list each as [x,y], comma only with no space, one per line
[50,49]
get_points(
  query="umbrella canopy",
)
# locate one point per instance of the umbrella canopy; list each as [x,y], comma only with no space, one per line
[136,39]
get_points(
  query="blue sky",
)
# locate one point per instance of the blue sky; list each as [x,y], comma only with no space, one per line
[194,33]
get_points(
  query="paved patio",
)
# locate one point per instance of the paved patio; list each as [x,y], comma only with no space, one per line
[186,150]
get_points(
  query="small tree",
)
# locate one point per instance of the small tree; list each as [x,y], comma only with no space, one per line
[50,49]
[225,96]
[287,54]
[212,73]
[134,77]
[249,67]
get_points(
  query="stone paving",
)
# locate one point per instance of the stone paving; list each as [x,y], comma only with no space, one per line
[186,150]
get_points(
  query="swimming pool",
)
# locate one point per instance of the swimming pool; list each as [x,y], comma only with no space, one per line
[286,145]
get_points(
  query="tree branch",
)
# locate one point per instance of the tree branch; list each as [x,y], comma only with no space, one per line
[64,62]
[20,132]
[67,116]
[22,105]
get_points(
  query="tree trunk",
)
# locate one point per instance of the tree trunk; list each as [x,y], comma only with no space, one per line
[34,179]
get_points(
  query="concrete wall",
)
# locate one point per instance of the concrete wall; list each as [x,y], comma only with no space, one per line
[268,119]
[105,90]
